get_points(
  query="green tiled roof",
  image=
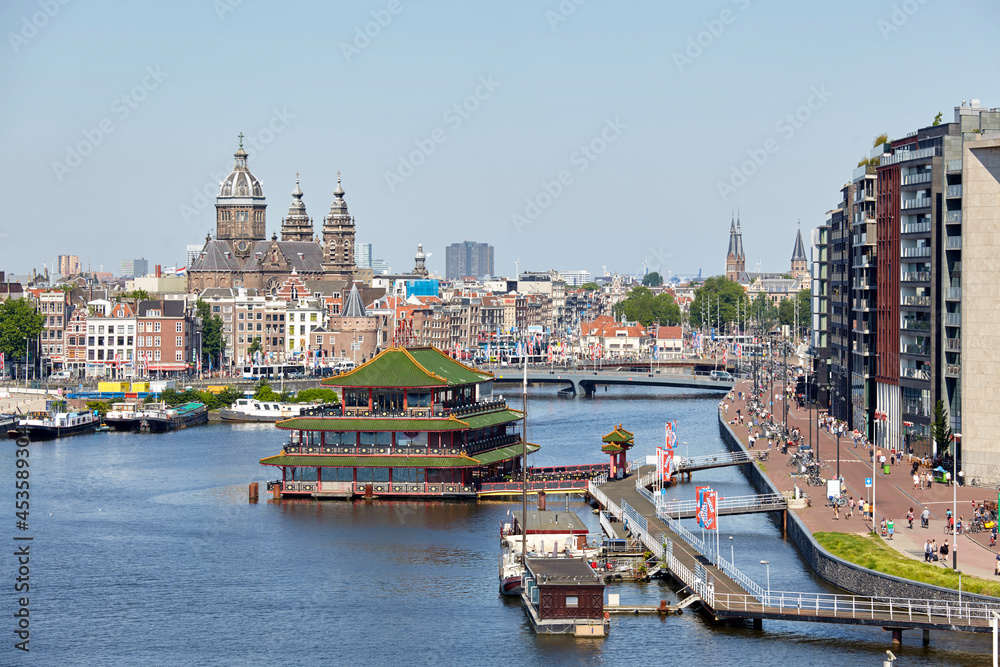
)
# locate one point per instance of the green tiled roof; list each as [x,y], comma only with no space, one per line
[399,423]
[397,461]
[400,367]
[619,435]
[611,448]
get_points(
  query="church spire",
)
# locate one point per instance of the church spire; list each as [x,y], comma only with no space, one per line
[296,225]
[338,235]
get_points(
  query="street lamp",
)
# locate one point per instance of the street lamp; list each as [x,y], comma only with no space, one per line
[732,553]
[954,511]
[768,564]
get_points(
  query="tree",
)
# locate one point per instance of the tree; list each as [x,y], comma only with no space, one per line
[717,301]
[641,306]
[941,428]
[212,342]
[804,304]
[590,287]
[653,279]
[19,323]
[786,312]
[764,311]
[255,347]
[139,295]
[937,119]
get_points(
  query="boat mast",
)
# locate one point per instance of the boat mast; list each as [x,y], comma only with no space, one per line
[524,462]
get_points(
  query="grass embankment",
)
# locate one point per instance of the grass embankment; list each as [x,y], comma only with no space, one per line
[871,552]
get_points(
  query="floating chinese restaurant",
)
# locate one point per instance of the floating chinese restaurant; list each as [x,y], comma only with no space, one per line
[412,422]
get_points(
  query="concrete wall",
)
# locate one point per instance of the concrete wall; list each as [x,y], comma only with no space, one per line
[980,315]
[841,573]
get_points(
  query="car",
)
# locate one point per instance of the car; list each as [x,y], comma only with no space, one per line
[61,375]
[721,376]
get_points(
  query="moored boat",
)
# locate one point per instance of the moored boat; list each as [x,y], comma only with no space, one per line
[252,410]
[155,417]
[51,424]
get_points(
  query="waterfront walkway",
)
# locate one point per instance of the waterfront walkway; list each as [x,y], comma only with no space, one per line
[894,493]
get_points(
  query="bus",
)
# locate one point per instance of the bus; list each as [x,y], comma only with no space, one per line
[273,371]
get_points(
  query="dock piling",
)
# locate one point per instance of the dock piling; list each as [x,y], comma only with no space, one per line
[253,492]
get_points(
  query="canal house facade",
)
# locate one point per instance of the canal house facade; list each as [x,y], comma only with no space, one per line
[412,422]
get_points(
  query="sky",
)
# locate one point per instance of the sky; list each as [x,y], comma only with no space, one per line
[569,134]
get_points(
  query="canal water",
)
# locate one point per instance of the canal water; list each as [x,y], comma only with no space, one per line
[146,552]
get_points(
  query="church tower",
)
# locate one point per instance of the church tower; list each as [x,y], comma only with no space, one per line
[296,226]
[735,259]
[800,263]
[420,262]
[338,236]
[239,208]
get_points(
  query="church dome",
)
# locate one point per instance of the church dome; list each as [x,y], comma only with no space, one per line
[241,183]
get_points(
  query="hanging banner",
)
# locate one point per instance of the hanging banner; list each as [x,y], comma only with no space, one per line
[707,510]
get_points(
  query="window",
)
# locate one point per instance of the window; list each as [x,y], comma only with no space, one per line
[156,327]
[156,341]
[260,316]
[90,329]
[149,341]
[179,327]
[258,325]
[72,340]
[142,327]
[291,329]
[312,317]
[239,316]
[100,329]
[572,601]
[156,355]
[319,339]
[215,309]
[179,341]
[178,356]
[240,327]
[131,329]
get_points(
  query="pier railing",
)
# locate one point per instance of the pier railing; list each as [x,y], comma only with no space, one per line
[683,464]
[859,607]
[732,505]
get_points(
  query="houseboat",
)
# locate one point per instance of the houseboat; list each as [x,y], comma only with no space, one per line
[252,410]
[564,596]
[53,423]
[412,422]
[555,533]
[155,417]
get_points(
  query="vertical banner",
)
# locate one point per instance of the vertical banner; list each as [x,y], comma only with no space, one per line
[659,463]
[707,510]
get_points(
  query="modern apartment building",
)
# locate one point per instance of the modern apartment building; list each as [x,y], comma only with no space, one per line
[134,268]
[862,292]
[468,259]
[68,265]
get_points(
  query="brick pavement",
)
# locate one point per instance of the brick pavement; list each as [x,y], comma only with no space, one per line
[894,492]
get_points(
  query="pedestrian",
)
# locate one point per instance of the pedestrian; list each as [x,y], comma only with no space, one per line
[882,527]
[850,511]
[836,509]
[770,441]
[944,549]
[868,510]
[909,517]
[927,551]
[916,480]
[929,480]
[925,518]
[993,535]
[934,550]
[889,527]
[996,567]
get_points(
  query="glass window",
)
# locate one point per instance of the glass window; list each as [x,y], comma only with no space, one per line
[364,475]
[572,601]
[418,398]
[368,438]
[383,438]
[303,474]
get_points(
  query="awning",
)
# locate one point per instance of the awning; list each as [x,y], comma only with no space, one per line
[165,367]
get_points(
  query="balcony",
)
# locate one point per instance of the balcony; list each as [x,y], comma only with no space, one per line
[916,228]
[954,243]
[922,301]
[863,304]
[915,277]
[904,155]
[922,350]
[953,294]
[919,202]
[954,191]
[953,319]
[915,325]
[915,374]
[954,166]
[953,370]
[953,344]
[919,251]
[954,216]
[913,179]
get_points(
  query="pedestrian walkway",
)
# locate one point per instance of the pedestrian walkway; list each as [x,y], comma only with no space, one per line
[894,493]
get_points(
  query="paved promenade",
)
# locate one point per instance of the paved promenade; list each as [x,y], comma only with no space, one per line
[894,493]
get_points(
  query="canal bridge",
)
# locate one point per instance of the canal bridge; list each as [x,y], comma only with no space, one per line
[726,593]
[586,381]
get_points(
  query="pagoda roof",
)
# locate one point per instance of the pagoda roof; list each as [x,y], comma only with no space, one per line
[611,448]
[371,424]
[399,367]
[619,436]
[397,460]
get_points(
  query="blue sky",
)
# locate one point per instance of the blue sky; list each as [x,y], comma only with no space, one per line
[587,133]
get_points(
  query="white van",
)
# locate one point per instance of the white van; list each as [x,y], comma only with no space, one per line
[722,376]
[61,375]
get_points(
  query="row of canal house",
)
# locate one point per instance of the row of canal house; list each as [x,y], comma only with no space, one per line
[411,422]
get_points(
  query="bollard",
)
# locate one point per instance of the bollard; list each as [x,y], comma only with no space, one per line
[369,491]
[541,501]
[663,607]
[276,491]
[253,492]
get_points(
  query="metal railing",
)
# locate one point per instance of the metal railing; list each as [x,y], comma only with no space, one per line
[708,460]
[634,517]
[677,509]
[700,586]
[537,485]
[912,610]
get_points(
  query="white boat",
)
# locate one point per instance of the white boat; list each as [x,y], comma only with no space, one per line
[252,410]
[52,424]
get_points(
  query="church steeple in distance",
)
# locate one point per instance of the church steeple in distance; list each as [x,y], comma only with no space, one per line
[800,263]
[296,225]
[338,236]
[735,259]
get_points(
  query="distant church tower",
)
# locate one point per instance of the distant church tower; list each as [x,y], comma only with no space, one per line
[240,206]
[735,259]
[296,226]
[420,262]
[800,263]
[338,236]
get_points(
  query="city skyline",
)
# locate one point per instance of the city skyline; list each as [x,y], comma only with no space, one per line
[701,130]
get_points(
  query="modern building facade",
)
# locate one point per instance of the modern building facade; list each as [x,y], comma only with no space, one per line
[468,259]
[134,268]
[69,265]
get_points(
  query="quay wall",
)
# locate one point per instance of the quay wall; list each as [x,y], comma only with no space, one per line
[832,569]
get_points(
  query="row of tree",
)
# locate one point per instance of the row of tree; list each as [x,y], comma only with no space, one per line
[720,301]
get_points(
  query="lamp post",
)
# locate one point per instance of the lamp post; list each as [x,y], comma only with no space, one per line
[732,553]
[768,564]
[954,513]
